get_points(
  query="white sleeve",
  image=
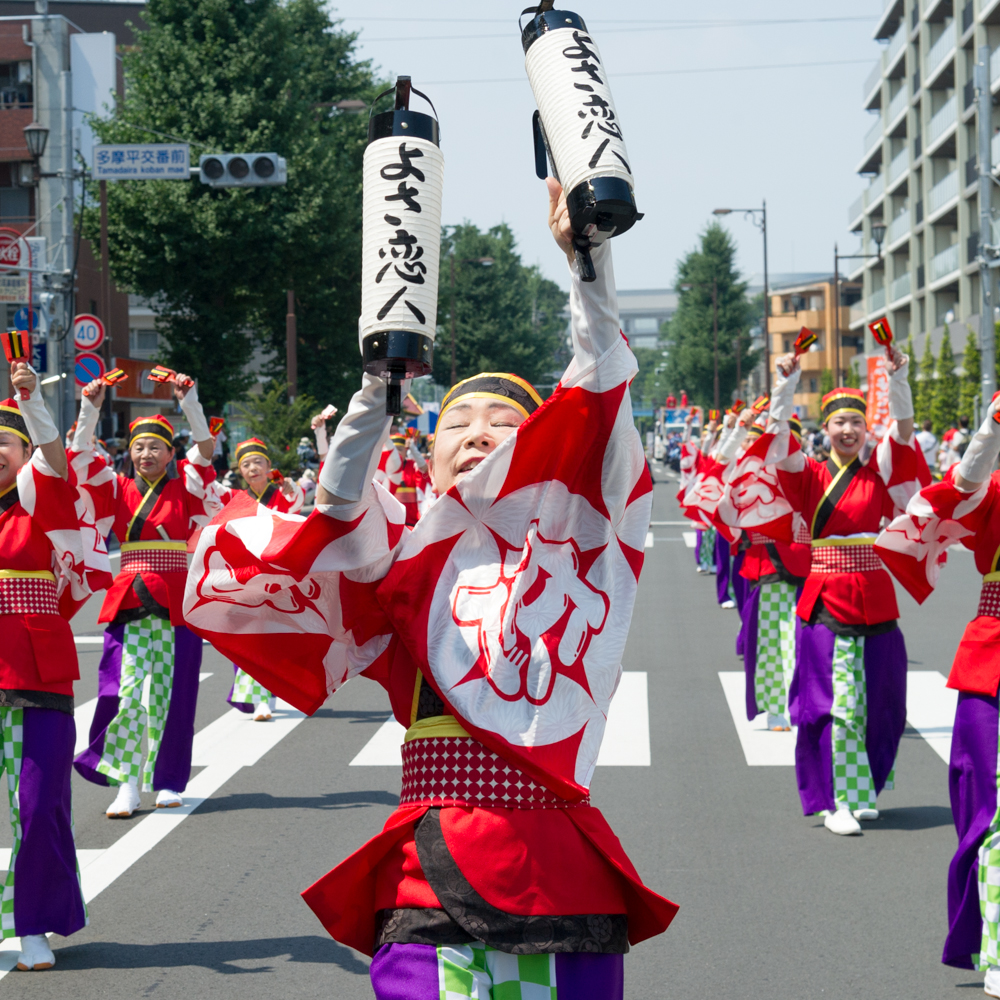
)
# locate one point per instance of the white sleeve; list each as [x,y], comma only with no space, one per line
[593,308]
[86,424]
[322,442]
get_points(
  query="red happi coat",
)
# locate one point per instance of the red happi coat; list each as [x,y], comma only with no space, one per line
[159,515]
[413,483]
[915,545]
[44,528]
[851,502]
[272,497]
[537,550]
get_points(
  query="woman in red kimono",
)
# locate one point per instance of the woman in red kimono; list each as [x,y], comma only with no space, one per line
[848,695]
[43,581]
[497,627]
[153,510]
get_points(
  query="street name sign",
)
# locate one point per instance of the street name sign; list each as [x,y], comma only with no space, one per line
[142,162]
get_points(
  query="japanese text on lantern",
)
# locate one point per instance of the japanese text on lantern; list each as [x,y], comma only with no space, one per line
[595,110]
[403,250]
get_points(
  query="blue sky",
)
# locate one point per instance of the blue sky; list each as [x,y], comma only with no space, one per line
[697,140]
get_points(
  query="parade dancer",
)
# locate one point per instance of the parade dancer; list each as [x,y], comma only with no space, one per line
[848,696]
[44,578]
[283,495]
[965,508]
[532,536]
[149,670]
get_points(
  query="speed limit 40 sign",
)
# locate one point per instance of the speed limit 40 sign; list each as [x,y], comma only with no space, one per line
[88,332]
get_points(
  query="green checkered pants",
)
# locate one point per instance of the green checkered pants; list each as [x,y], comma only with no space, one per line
[706,554]
[853,787]
[246,691]
[775,647]
[143,700]
[989,888]
[477,970]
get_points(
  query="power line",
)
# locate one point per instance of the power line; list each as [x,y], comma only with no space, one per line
[646,26]
[673,72]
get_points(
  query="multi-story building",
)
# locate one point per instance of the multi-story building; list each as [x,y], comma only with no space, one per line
[810,304]
[643,313]
[920,160]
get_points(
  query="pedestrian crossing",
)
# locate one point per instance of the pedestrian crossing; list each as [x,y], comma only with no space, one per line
[930,710]
[626,738]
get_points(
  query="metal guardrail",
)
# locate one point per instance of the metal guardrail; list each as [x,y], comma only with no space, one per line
[857,207]
[873,136]
[899,165]
[876,300]
[945,117]
[900,287]
[943,192]
[898,104]
[898,228]
[874,78]
[874,190]
[939,51]
[944,263]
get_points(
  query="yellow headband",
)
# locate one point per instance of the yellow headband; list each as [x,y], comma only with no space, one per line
[510,389]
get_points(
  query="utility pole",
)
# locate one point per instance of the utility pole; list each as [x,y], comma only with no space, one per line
[984,115]
[837,379]
[291,348]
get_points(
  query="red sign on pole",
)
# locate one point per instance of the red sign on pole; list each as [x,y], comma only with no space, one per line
[13,249]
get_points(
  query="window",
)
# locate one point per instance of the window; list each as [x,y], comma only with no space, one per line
[646,324]
[788,344]
[15,205]
[812,385]
[142,342]
[15,85]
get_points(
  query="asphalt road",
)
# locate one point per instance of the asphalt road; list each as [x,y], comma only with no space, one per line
[772,905]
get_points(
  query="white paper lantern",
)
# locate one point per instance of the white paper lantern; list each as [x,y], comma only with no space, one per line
[580,125]
[403,175]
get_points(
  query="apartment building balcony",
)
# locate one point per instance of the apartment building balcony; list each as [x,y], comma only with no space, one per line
[968,16]
[898,230]
[891,16]
[897,108]
[872,149]
[943,125]
[899,289]
[934,10]
[944,267]
[943,197]
[857,315]
[874,193]
[876,301]
[872,89]
[940,56]
[971,171]
[989,11]
[899,167]
[856,213]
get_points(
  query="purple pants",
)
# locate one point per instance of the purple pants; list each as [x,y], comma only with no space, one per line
[47,897]
[173,763]
[723,563]
[698,535]
[972,781]
[746,642]
[410,972]
[810,703]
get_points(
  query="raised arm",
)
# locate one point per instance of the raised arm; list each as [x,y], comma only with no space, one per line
[786,380]
[187,395]
[980,458]
[41,427]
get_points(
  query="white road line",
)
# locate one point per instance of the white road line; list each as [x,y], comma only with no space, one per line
[626,738]
[232,742]
[86,640]
[649,539]
[83,715]
[670,524]
[930,709]
[690,538]
[761,747]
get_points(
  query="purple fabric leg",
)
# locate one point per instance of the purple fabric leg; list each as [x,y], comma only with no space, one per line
[722,563]
[240,706]
[810,702]
[405,972]
[109,674]
[972,780]
[885,694]
[590,977]
[741,585]
[173,763]
[47,896]
[698,535]
[749,635]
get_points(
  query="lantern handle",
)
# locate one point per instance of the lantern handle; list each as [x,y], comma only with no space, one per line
[542,8]
[402,89]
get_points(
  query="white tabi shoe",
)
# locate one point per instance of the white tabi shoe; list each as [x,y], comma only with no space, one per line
[866,814]
[126,802]
[842,823]
[262,712]
[728,605]
[991,987]
[37,955]
[166,799]
[698,569]
[777,723]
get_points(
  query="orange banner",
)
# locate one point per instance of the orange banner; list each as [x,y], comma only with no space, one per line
[877,413]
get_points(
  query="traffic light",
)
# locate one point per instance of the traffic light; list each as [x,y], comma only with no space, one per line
[242,169]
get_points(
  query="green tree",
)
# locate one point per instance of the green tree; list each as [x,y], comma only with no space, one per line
[508,318]
[944,403]
[851,378]
[924,394]
[279,423]
[912,369]
[826,381]
[217,262]
[649,387]
[969,387]
[689,334]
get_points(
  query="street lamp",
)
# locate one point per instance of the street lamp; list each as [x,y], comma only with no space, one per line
[715,331]
[878,235]
[761,224]
[36,136]
[486,262]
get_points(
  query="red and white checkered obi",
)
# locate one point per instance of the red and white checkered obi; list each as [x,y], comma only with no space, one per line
[844,555]
[28,593]
[460,771]
[989,596]
[154,557]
